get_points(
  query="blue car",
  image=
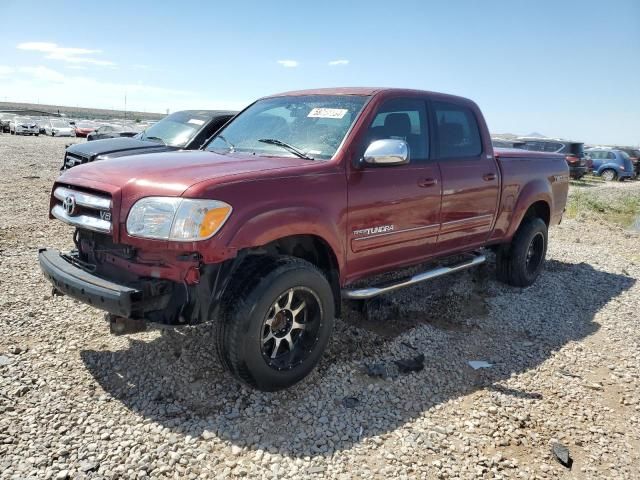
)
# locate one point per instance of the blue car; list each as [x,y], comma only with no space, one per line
[611,164]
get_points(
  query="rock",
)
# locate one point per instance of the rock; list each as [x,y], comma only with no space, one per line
[561,454]
[88,467]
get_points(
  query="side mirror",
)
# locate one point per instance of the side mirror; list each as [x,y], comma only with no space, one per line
[387,152]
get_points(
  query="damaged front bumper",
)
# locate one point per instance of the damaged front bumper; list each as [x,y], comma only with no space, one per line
[66,274]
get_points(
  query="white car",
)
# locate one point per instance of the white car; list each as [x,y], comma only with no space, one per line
[57,127]
[23,126]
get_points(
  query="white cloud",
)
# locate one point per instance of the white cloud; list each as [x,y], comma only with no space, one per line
[288,63]
[334,63]
[75,67]
[65,54]
[48,86]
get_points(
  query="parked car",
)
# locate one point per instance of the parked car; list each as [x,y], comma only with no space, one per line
[634,155]
[611,164]
[5,118]
[82,129]
[187,130]
[573,152]
[296,199]
[41,122]
[112,131]
[57,127]
[23,126]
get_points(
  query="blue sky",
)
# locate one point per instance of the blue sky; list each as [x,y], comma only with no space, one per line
[562,68]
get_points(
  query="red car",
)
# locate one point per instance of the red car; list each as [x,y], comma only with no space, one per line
[296,199]
[83,129]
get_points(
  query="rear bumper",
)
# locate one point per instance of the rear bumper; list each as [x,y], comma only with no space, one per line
[578,171]
[88,288]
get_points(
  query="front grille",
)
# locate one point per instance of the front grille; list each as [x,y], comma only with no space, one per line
[73,159]
[90,211]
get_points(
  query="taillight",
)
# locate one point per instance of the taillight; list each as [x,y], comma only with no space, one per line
[571,159]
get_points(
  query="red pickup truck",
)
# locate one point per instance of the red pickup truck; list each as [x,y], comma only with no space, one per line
[299,197]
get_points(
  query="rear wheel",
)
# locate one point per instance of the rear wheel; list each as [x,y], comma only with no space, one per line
[609,175]
[278,323]
[520,262]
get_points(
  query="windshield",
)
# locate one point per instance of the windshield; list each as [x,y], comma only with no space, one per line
[21,120]
[313,124]
[85,125]
[59,124]
[176,129]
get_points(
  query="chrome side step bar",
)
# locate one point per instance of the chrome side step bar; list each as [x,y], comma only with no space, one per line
[370,292]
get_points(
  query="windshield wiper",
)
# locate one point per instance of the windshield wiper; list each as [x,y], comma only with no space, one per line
[297,152]
[155,138]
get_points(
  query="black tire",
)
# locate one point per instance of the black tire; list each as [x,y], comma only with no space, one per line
[261,341]
[520,262]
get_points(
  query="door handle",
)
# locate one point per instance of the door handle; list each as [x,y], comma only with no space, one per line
[427,182]
[487,177]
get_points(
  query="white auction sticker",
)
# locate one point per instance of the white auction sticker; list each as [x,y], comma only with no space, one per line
[327,113]
[195,121]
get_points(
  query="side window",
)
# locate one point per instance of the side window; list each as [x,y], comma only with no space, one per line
[535,146]
[611,156]
[457,131]
[552,147]
[403,119]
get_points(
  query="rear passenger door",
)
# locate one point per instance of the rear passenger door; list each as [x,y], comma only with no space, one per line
[470,177]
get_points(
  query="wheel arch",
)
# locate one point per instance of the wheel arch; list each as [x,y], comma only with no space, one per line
[536,199]
[310,247]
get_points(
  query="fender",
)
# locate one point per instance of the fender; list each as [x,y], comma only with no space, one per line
[610,166]
[272,225]
[534,191]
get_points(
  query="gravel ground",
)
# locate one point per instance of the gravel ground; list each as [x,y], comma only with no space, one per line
[76,402]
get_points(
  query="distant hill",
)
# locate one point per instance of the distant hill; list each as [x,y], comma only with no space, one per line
[536,135]
[80,112]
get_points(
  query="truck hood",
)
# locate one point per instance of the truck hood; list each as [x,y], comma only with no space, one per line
[114,145]
[170,173]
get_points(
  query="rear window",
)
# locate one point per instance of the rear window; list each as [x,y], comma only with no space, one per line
[457,131]
[577,149]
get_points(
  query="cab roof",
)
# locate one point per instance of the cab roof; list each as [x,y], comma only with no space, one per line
[362,91]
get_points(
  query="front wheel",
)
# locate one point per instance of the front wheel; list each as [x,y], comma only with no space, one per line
[278,324]
[520,262]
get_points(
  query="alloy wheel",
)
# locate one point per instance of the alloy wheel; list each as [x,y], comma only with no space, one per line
[290,328]
[535,252]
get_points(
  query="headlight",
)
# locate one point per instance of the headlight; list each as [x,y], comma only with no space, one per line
[177,219]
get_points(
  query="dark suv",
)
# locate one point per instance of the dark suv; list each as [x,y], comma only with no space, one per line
[573,151]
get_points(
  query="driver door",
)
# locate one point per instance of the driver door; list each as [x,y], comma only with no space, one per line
[394,211]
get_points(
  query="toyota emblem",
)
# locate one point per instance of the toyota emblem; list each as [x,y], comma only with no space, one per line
[69,204]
